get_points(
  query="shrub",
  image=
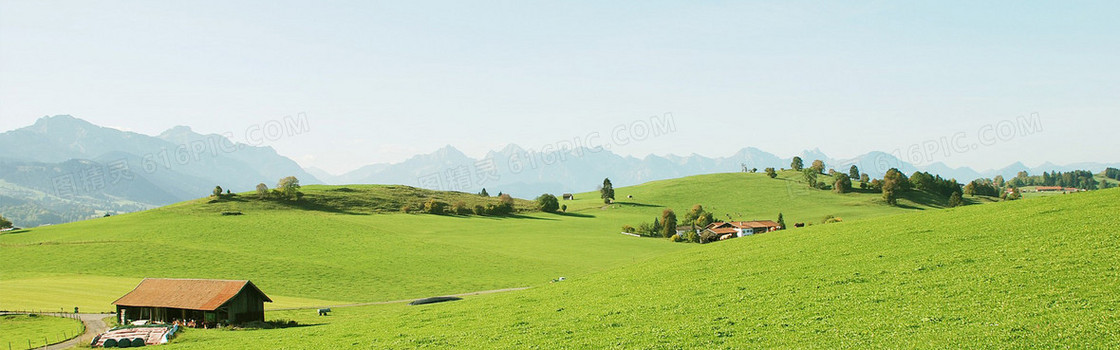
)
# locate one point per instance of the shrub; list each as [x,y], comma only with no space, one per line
[676,238]
[461,208]
[627,228]
[479,210]
[693,237]
[548,203]
[433,206]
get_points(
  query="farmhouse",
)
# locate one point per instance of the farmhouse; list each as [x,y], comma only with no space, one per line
[731,229]
[193,302]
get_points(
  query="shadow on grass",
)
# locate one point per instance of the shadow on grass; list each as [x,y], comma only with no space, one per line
[633,204]
[577,215]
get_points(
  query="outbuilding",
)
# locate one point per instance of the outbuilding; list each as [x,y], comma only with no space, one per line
[193,302]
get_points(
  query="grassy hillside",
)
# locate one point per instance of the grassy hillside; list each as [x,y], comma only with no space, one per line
[350,244]
[1033,273]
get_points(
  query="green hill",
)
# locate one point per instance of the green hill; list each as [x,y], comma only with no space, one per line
[1034,273]
[352,244]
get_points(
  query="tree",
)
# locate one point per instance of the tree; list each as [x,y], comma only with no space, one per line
[853,173]
[1104,184]
[998,181]
[564,208]
[668,223]
[781,221]
[771,173]
[607,191]
[705,219]
[1014,195]
[955,200]
[548,203]
[262,191]
[818,165]
[694,213]
[5,223]
[841,183]
[864,181]
[797,164]
[217,192]
[892,184]
[810,177]
[289,188]
[483,193]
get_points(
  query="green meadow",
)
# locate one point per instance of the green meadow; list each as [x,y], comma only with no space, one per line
[346,244]
[353,244]
[1038,273]
[17,331]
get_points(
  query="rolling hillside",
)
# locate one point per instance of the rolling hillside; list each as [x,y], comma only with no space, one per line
[1038,273]
[351,244]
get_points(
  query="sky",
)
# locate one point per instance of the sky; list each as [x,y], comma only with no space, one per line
[378,82]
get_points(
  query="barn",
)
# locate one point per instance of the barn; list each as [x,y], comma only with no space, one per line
[193,302]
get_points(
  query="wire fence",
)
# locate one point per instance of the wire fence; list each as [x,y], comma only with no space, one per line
[50,338]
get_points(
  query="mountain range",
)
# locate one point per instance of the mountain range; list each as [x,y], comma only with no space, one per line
[64,169]
[527,173]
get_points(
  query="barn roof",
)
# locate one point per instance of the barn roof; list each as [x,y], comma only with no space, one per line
[191,294]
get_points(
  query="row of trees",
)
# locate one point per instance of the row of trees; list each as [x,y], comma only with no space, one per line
[286,188]
[1082,179]
[503,207]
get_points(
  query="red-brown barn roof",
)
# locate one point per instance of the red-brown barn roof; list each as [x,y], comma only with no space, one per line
[191,294]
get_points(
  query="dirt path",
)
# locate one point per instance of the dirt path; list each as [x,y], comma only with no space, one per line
[399,301]
[94,326]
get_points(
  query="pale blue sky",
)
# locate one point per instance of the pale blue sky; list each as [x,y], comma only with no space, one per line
[382,81]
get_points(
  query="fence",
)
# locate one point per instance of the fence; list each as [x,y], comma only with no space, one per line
[47,340]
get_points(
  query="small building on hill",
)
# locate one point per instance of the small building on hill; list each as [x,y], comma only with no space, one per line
[193,302]
[569,196]
[731,229]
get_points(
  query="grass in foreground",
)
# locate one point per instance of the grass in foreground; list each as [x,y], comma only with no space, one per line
[1034,273]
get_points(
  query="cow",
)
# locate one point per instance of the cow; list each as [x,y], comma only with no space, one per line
[324,311]
[800,224]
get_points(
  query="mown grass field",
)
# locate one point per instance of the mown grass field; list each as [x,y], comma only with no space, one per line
[337,248]
[1037,273]
[17,330]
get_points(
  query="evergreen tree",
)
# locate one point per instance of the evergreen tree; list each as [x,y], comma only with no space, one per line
[781,221]
[607,191]
[853,173]
[483,193]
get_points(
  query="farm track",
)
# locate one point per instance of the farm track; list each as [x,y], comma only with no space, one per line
[399,301]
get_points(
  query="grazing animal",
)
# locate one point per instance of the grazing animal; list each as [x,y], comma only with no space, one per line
[324,312]
[800,224]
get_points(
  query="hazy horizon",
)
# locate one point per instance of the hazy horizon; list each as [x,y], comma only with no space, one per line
[381,82]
